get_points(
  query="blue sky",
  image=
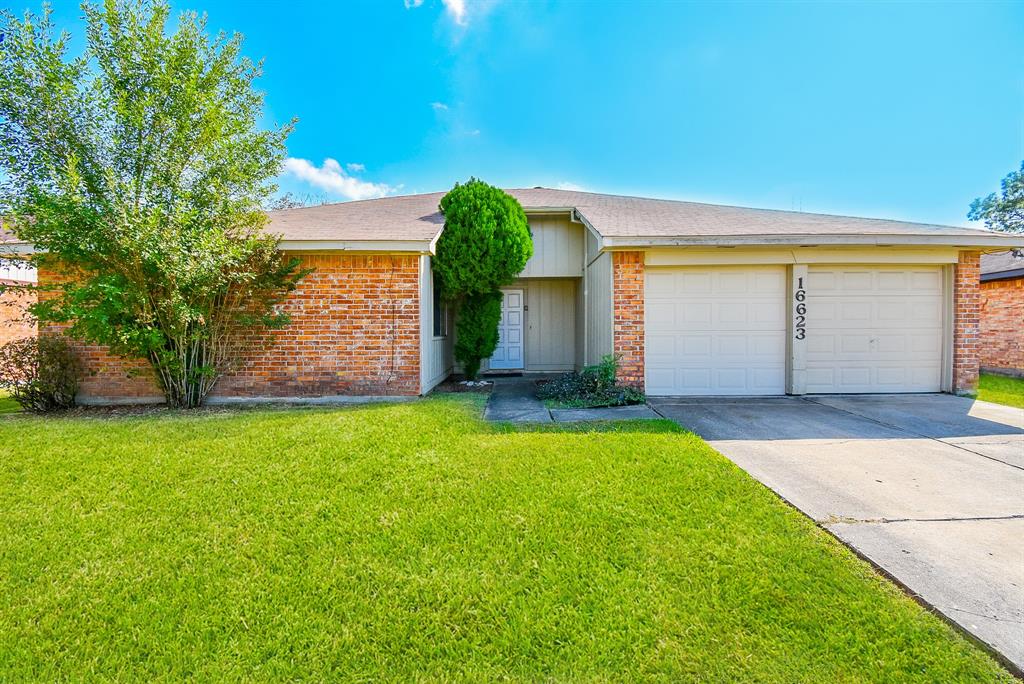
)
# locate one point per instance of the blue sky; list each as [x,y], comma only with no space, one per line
[898,110]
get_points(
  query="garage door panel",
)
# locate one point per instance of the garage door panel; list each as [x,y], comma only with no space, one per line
[660,284]
[874,329]
[695,314]
[727,332]
[926,281]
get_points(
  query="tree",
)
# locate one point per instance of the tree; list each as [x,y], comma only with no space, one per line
[292,201]
[1003,211]
[138,168]
[476,330]
[485,244]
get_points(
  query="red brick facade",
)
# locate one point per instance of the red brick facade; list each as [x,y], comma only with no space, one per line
[355,330]
[15,321]
[1002,324]
[628,315]
[966,310]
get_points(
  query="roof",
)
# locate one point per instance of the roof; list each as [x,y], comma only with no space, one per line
[621,221]
[408,217]
[414,222]
[1002,265]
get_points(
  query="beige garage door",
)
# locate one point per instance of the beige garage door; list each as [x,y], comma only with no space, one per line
[874,329]
[715,330]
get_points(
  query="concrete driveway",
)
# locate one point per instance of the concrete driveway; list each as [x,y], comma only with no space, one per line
[929,487]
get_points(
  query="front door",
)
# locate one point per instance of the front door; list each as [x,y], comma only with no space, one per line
[509,354]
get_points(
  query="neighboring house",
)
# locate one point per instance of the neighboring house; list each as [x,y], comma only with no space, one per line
[15,321]
[695,299]
[1002,313]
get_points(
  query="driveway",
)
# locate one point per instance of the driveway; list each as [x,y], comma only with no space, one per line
[929,487]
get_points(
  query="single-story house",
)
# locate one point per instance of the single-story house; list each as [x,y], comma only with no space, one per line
[15,321]
[1002,313]
[694,299]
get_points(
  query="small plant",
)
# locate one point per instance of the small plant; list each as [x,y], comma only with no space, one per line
[594,387]
[41,373]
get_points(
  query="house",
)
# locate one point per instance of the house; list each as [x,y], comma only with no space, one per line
[15,321]
[1002,313]
[694,299]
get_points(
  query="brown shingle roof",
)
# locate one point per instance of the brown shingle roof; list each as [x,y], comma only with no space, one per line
[416,217]
[1001,265]
[618,218]
[410,217]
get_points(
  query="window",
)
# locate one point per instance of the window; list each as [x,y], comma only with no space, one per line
[440,310]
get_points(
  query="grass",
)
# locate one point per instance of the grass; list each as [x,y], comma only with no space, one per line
[413,542]
[7,405]
[1000,389]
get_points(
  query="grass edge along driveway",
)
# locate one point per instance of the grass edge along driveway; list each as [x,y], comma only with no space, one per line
[1000,389]
[415,542]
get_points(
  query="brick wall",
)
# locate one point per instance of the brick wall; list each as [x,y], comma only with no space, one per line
[15,321]
[966,310]
[628,315]
[1002,324]
[105,376]
[355,330]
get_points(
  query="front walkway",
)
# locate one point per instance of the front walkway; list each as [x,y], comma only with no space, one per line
[928,487]
[514,400]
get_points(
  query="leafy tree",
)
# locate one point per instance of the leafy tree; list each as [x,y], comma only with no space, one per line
[138,168]
[485,244]
[292,201]
[486,240]
[1003,211]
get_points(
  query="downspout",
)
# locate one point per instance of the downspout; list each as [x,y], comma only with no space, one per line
[586,290]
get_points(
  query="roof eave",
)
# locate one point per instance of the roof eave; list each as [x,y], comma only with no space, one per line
[1003,275]
[975,241]
[378,246]
[16,248]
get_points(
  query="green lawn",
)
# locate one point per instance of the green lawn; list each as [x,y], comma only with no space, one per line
[414,542]
[7,405]
[1001,390]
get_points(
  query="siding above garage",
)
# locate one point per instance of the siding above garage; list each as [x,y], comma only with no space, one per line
[695,256]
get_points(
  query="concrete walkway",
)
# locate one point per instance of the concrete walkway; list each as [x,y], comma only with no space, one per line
[928,487]
[514,400]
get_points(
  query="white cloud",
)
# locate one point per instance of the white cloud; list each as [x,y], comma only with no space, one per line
[332,178]
[457,10]
[355,168]
[565,185]
[439,106]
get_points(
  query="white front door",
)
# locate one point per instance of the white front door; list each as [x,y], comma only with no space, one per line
[509,354]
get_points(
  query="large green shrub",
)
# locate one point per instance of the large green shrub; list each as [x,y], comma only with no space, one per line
[476,330]
[485,244]
[41,373]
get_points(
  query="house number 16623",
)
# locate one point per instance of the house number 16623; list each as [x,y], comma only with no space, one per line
[800,321]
